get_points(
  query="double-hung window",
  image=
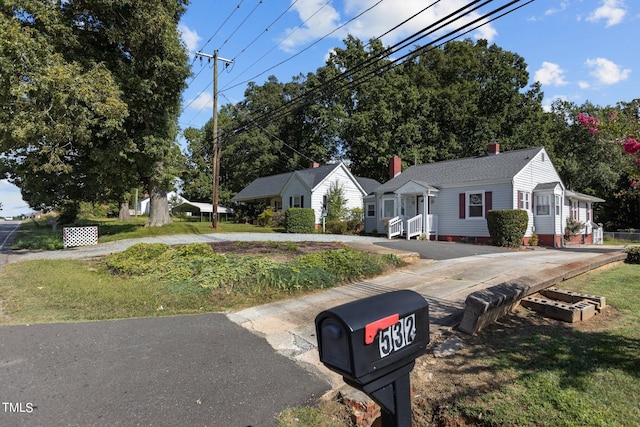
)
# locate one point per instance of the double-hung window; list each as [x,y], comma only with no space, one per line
[558,205]
[543,205]
[371,210]
[296,201]
[476,205]
[524,198]
[388,208]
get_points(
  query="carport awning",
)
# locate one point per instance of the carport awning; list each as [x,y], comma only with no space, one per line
[200,208]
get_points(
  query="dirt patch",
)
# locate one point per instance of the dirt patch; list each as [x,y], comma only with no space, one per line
[278,251]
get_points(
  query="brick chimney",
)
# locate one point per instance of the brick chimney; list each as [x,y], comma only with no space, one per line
[494,148]
[314,165]
[395,167]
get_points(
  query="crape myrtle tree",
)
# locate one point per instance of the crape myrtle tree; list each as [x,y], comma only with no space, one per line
[611,135]
[93,94]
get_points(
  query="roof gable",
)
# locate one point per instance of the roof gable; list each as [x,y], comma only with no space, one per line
[499,167]
[274,185]
[268,186]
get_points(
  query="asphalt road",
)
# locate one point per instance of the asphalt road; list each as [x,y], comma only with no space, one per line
[198,370]
[188,370]
[7,230]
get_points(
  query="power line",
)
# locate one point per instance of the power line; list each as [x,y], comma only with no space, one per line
[266,29]
[275,115]
[241,24]
[309,46]
[235,9]
[274,136]
[278,44]
[307,98]
[371,61]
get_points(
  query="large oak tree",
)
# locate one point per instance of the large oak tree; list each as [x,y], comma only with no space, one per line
[91,94]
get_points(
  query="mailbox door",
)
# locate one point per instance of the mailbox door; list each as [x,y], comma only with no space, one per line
[366,339]
[393,347]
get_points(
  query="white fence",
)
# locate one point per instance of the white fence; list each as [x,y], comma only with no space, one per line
[79,236]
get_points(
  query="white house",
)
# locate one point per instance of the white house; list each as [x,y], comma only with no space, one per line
[173,198]
[449,200]
[307,188]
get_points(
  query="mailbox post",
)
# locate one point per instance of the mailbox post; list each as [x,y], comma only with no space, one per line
[373,343]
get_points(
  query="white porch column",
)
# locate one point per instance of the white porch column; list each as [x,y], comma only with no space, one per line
[425,216]
[398,205]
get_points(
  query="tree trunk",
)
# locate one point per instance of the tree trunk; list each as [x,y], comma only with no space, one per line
[158,205]
[124,214]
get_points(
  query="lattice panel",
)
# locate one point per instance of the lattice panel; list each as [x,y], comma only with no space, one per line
[79,236]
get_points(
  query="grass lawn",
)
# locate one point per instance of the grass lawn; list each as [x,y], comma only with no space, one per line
[38,234]
[582,374]
[150,280]
[526,370]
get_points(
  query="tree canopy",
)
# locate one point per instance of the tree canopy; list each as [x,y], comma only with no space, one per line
[92,93]
[438,104]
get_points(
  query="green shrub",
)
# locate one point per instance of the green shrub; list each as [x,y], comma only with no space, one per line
[335,226]
[265,219]
[300,220]
[196,268]
[533,241]
[137,259]
[633,255]
[507,226]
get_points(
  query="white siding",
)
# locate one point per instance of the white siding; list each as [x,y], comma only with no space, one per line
[538,171]
[340,174]
[295,187]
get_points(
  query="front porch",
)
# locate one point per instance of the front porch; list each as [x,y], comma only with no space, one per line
[413,218]
[417,226]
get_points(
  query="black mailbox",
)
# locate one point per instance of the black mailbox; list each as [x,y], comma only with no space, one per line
[368,339]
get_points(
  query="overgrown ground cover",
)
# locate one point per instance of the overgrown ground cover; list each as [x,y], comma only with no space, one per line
[157,280]
[39,234]
[526,370]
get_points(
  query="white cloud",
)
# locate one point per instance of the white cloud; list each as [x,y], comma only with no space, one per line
[189,37]
[378,21]
[546,105]
[550,74]
[613,11]
[607,72]
[319,19]
[583,85]
[554,10]
[204,100]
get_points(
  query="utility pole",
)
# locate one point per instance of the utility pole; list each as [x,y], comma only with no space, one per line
[215,161]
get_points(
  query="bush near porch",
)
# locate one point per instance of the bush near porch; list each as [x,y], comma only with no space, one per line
[507,227]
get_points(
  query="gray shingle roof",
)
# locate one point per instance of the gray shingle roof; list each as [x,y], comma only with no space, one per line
[272,186]
[502,166]
[368,184]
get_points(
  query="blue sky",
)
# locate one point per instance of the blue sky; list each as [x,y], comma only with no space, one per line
[580,50]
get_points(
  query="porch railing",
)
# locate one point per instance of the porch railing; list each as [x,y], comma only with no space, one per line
[395,227]
[414,227]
